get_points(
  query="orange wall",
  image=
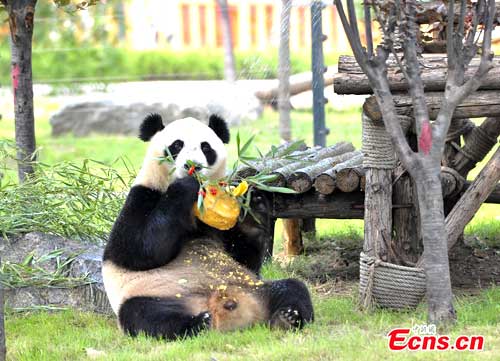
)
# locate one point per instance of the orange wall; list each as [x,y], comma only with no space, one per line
[255,26]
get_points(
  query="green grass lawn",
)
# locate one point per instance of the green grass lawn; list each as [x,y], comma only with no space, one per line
[340,332]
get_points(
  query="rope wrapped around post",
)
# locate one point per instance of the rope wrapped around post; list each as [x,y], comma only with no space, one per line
[378,151]
[389,285]
[383,283]
[483,143]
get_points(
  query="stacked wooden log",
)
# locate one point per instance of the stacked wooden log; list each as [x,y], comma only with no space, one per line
[334,169]
[325,169]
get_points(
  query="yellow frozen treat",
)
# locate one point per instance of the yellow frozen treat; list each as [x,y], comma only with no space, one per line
[220,210]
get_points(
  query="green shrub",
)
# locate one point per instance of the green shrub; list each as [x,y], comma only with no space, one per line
[119,64]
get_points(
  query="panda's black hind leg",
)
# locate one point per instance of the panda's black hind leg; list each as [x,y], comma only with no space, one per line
[161,318]
[290,304]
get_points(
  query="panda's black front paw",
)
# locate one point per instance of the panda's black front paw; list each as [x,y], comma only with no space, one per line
[287,318]
[186,188]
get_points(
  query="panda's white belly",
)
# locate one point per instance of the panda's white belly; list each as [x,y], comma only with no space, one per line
[121,284]
[200,269]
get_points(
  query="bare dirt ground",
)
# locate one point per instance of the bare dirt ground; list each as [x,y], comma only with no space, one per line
[336,269]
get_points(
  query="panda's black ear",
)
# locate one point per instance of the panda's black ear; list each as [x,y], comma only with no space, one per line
[219,126]
[151,125]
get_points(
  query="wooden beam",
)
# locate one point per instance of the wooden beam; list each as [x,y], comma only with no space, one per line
[270,96]
[472,199]
[484,103]
[313,204]
[493,198]
[352,80]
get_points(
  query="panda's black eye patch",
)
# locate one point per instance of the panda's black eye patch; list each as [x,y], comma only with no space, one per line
[210,154]
[175,148]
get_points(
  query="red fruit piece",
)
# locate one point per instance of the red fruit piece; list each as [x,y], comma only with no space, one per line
[213,191]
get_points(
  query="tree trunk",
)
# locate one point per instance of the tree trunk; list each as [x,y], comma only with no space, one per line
[229,62]
[21,15]
[284,72]
[2,326]
[436,265]
[119,12]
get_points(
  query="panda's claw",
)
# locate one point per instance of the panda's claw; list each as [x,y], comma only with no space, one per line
[203,320]
[287,318]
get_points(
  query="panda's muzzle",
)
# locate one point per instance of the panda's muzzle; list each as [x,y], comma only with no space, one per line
[197,167]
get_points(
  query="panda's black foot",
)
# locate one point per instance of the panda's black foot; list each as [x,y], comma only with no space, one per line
[201,322]
[287,318]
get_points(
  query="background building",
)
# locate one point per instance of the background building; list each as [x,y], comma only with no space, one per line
[194,24]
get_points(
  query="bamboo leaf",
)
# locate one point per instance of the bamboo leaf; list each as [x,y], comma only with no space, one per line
[272,152]
[238,143]
[246,145]
[260,153]
[273,189]
[199,203]
[28,259]
[263,178]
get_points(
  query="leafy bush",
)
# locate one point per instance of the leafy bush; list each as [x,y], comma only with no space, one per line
[70,200]
[109,64]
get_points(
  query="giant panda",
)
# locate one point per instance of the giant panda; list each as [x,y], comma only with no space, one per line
[168,275]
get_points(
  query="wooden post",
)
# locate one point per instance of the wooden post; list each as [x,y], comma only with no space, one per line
[378,212]
[292,237]
[227,38]
[308,229]
[407,242]
[379,161]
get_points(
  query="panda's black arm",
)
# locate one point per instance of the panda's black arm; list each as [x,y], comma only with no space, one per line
[249,241]
[152,225]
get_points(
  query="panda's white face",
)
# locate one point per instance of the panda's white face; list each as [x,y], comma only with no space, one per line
[190,141]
